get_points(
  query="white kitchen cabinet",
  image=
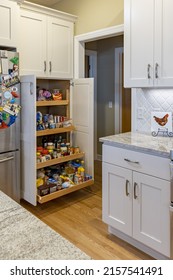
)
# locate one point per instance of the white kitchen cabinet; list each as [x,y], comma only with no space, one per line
[148,43]
[46,42]
[9,20]
[117,204]
[136,203]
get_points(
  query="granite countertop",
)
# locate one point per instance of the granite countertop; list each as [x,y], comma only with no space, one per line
[24,237]
[159,145]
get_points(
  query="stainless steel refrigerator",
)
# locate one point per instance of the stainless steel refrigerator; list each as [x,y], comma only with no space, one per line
[9,124]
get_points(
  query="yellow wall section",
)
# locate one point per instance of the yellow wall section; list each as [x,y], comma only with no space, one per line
[93,14]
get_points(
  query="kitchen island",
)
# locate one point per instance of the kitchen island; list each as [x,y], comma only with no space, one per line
[25,237]
[137,191]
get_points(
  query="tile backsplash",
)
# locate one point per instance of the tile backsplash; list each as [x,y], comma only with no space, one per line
[148,100]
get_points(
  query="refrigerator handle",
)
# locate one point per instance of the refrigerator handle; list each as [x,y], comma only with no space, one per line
[6,159]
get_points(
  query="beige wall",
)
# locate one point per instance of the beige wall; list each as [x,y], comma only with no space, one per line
[93,14]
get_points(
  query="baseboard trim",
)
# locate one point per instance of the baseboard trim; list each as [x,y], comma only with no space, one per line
[137,244]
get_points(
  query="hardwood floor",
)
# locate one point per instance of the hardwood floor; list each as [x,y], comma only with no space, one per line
[78,218]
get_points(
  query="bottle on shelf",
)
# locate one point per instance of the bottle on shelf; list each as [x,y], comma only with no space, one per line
[44,142]
[55,142]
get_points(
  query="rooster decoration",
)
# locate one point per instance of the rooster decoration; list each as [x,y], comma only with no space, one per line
[161,121]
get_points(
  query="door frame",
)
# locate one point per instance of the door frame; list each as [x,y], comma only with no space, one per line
[118,89]
[93,74]
[79,45]
[79,53]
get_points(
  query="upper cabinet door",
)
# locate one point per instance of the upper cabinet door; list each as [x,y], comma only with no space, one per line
[46,42]
[138,43]
[163,43]
[32,45]
[9,20]
[60,48]
[148,43]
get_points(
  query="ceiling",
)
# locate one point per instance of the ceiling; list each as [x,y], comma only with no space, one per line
[48,3]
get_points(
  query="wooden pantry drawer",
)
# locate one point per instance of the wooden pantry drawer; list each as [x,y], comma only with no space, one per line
[137,161]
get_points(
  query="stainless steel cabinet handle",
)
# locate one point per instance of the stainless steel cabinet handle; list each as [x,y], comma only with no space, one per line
[135,185]
[6,159]
[44,66]
[50,66]
[127,183]
[131,161]
[156,71]
[148,71]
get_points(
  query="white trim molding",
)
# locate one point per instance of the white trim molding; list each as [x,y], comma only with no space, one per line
[101,33]
[79,45]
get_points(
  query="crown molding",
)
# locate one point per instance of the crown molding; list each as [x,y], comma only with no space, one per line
[48,11]
[18,1]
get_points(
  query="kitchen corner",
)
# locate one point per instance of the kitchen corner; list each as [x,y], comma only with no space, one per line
[137,191]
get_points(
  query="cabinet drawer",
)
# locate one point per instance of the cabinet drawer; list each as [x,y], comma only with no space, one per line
[137,161]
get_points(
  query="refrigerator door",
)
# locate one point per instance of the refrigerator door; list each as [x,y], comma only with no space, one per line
[10,174]
[9,79]
[10,137]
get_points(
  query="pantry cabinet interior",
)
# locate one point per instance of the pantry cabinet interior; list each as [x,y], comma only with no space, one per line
[32,139]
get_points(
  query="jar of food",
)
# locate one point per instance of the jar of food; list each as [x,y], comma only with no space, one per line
[51,152]
[54,153]
[45,152]
[58,153]
[68,148]
[63,150]
[71,150]
[50,146]
[39,149]
[76,150]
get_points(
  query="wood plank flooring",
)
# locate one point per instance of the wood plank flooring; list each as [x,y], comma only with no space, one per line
[78,218]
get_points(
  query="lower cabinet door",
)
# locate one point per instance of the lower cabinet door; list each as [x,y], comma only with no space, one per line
[151,221]
[117,197]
